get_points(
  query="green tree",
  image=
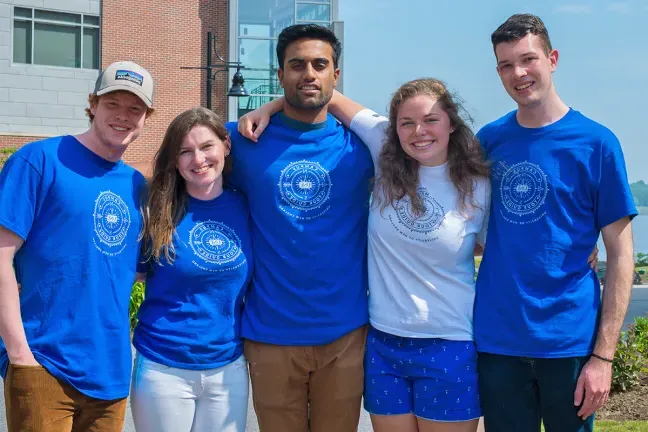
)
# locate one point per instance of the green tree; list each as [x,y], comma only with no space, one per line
[639,191]
[642,260]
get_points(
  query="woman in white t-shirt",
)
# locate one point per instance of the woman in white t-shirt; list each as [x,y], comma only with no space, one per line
[430,201]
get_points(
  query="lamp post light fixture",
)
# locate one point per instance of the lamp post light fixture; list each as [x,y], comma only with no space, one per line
[237,89]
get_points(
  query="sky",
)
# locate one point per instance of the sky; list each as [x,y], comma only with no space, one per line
[602,67]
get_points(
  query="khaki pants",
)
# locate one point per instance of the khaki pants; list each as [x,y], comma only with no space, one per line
[38,402]
[286,379]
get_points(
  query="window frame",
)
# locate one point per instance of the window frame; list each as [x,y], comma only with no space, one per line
[315,3]
[33,21]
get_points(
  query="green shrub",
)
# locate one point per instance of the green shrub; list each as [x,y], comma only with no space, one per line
[630,357]
[628,364]
[137,296]
[4,155]
[639,330]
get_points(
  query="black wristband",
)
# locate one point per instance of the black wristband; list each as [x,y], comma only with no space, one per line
[602,358]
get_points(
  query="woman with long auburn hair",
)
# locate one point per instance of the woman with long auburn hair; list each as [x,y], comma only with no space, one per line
[430,199]
[399,163]
[190,373]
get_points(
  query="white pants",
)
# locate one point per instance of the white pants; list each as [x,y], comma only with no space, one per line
[167,399]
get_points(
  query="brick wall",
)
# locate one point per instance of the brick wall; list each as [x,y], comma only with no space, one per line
[162,35]
[12,141]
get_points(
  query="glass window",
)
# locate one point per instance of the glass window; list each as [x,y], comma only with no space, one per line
[274,15]
[56,45]
[57,16]
[262,82]
[22,12]
[313,12]
[22,41]
[254,31]
[259,25]
[55,38]
[258,53]
[260,59]
[247,104]
[91,20]
[91,48]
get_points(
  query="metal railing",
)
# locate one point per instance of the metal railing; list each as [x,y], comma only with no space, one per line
[262,91]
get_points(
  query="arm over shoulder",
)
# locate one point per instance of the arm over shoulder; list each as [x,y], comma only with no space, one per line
[371,128]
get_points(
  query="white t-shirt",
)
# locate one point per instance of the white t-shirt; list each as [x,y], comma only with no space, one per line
[421,269]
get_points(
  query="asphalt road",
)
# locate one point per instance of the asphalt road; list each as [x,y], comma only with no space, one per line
[638,307]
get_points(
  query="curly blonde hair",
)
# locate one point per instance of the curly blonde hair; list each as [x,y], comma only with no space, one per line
[399,173]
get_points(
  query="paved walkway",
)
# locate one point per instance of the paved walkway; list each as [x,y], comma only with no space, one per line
[638,307]
[638,304]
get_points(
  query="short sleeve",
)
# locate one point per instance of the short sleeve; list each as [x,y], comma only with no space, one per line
[235,177]
[481,137]
[614,199]
[21,193]
[371,128]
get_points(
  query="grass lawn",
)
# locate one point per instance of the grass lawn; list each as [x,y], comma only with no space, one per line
[626,426]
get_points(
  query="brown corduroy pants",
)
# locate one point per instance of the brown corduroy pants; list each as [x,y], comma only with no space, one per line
[38,402]
[302,388]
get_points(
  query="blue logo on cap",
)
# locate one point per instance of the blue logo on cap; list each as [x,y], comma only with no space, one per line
[129,76]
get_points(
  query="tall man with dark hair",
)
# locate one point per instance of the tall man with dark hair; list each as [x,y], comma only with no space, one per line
[69,221]
[307,183]
[558,178]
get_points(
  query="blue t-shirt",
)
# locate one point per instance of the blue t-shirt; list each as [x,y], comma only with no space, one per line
[78,215]
[308,190]
[191,315]
[553,189]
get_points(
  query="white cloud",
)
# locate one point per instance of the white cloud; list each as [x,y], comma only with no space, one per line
[574,8]
[619,7]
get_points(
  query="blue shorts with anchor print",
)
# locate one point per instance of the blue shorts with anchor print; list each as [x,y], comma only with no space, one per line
[435,379]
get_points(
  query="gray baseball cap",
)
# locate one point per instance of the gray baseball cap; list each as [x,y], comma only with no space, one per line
[126,76]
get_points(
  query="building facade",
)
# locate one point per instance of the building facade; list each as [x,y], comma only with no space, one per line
[51,52]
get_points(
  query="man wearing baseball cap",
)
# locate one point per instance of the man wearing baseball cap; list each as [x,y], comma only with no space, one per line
[69,224]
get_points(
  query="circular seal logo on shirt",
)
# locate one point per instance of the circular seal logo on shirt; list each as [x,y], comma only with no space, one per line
[305,185]
[111,219]
[426,223]
[523,188]
[215,242]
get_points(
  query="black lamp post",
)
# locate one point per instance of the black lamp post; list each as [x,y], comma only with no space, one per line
[237,89]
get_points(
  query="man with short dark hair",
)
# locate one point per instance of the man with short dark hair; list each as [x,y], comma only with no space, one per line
[307,183]
[70,222]
[559,180]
